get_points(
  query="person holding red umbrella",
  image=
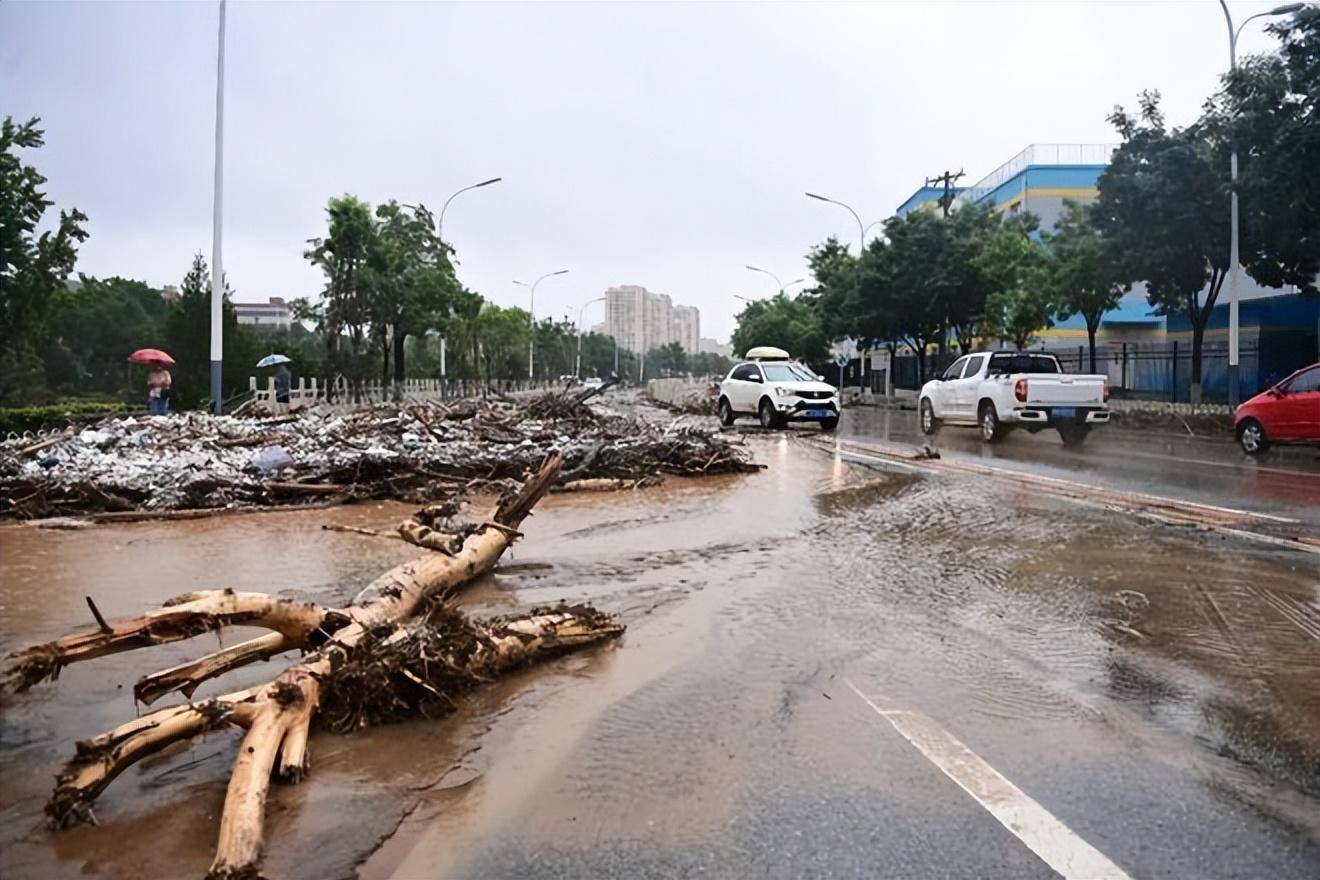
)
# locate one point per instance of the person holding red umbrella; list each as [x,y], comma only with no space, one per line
[158,378]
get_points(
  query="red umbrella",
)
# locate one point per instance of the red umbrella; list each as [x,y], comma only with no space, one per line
[150,356]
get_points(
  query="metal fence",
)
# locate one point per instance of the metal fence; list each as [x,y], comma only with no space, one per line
[340,393]
[1153,371]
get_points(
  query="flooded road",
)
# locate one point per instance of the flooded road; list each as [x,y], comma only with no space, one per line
[1284,481]
[805,645]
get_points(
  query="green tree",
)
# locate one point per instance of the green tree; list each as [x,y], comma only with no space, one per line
[1014,266]
[835,272]
[1269,110]
[502,336]
[970,229]
[1163,204]
[411,281]
[187,335]
[94,325]
[347,255]
[33,268]
[1086,274]
[706,363]
[792,324]
[903,290]
[666,360]
[598,355]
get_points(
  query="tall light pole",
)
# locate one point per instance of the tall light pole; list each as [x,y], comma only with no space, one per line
[1234,268]
[531,317]
[217,228]
[440,223]
[861,229]
[577,367]
[782,287]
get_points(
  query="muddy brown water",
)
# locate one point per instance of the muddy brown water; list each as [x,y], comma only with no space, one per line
[747,598]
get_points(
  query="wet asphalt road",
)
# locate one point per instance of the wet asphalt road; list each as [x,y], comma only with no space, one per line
[807,648]
[1143,688]
[1284,481]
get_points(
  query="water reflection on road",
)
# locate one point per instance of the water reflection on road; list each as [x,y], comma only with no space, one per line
[1129,676]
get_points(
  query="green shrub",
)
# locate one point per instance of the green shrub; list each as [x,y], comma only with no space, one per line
[55,415]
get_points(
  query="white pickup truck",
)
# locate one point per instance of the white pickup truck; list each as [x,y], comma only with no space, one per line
[998,390]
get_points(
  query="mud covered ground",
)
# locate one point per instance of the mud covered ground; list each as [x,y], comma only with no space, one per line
[1151,687]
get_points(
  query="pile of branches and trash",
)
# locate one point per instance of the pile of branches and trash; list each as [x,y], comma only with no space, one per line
[196,463]
[396,651]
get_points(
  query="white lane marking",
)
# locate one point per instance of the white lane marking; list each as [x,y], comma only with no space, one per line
[1031,823]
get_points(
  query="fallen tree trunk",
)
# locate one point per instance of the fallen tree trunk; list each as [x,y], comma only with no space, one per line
[394,651]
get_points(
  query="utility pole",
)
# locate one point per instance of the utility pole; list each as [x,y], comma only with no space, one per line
[948,178]
[217,228]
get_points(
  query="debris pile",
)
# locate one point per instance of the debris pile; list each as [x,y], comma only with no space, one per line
[196,461]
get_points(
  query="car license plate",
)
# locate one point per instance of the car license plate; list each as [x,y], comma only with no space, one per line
[819,413]
[1065,412]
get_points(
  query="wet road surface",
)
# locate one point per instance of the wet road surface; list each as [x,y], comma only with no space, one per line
[1284,481]
[830,670]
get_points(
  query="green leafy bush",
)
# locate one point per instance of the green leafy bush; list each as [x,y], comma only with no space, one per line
[55,415]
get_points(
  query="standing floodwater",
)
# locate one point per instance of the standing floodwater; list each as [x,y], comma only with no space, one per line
[1126,676]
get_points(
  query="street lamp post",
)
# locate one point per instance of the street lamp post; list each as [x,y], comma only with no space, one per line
[217,229]
[861,228]
[577,366]
[531,317]
[440,223]
[782,287]
[1233,253]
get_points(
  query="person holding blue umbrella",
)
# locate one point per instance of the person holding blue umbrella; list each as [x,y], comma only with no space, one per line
[283,378]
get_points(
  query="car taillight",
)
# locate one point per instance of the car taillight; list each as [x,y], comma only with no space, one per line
[1106,395]
[1020,390]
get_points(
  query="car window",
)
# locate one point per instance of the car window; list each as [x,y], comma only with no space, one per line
[747,372]
[786,373]
[1020,362]
[955,371]
[1308,381]
[973,366]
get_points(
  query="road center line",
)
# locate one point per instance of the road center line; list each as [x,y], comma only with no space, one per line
[1046,836]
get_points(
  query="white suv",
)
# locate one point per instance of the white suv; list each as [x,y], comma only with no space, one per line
[777,392]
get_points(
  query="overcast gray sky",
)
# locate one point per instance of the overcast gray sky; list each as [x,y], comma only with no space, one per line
[662,144]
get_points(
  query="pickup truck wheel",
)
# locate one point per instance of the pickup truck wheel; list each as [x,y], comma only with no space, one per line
[1251,437]
[726,412]
[989,422]
[929,424]
[1073,435]
[766,413]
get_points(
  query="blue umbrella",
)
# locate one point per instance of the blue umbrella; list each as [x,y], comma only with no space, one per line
[271,360]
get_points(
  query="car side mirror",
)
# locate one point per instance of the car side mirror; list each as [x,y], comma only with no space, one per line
[756,379]
[1276,391]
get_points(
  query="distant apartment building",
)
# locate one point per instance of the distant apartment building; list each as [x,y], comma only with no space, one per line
[274,313]
[641,320]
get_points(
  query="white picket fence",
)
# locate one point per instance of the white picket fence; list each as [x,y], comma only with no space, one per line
[340,393]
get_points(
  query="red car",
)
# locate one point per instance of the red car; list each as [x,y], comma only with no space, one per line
[1289,412]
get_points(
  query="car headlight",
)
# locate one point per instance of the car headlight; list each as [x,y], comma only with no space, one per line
[785,392]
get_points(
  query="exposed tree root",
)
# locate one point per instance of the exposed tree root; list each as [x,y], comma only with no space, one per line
[394,652]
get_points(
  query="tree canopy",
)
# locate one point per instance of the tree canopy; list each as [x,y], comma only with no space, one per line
[1162,203]
[792,324]
[33,268]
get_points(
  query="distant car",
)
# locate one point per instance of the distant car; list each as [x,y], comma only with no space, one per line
[1287,412]
[593,382]
[777,390]
[998,390]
